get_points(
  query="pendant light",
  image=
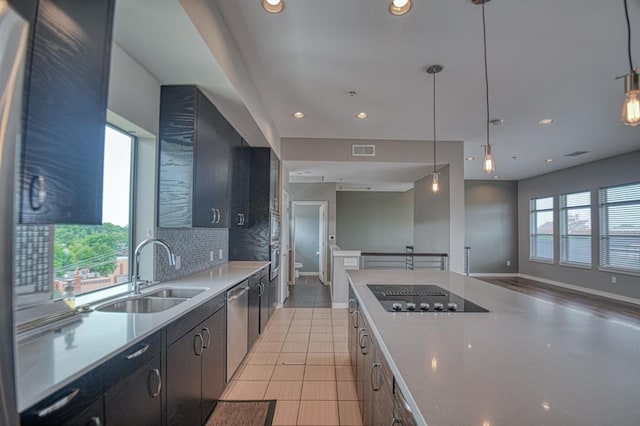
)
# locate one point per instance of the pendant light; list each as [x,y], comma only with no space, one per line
[631,105]
[489,164]
[433,70]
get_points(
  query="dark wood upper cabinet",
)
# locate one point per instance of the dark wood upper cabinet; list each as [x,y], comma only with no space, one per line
[240,169]
[66,89]
[195,157]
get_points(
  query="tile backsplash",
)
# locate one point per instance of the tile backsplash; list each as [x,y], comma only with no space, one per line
[33,259]
[194,246]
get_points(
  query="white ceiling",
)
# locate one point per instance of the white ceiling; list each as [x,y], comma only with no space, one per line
[547,58]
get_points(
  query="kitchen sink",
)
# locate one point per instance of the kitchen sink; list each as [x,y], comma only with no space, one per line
[173,292]
[142,305]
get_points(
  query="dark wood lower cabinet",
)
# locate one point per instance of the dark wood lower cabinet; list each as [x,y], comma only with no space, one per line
[254,309]
[195,371]
[213,361]
[136,400]
[273,295]
[264,302]
[380,400]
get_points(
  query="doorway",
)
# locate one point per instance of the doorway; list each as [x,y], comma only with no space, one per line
[309,228]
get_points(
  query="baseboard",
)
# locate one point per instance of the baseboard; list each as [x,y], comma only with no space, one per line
[309,274]
[583,289]
[339,305]
[485,274]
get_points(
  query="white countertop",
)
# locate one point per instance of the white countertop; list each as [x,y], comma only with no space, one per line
[526,362]
[51,361]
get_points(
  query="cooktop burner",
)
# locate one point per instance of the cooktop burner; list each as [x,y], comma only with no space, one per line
[421,298]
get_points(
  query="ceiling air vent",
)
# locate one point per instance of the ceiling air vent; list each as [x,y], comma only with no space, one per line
[576,154]
[363,150]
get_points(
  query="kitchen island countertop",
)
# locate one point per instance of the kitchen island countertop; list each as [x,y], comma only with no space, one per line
[50,361]
[526,362]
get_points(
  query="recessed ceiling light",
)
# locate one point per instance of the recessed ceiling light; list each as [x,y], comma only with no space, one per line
[549,160]
[469,158]
[273,6]
[546,121]
[399,7]
[298,114]
[496,177]
[362,115]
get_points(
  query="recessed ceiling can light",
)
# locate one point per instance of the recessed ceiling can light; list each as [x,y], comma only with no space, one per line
[273,6]
[549,160]
[399,7]
[469,158]
[362,115]
[298,114]
[546,121]
[496,177]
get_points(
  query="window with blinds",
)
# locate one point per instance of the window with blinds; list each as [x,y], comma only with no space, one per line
[620,228]
[575,229]
[541,229]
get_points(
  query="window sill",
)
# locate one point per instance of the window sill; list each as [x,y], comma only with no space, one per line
[538,260]
[619,271]
[103,294]
[575,265]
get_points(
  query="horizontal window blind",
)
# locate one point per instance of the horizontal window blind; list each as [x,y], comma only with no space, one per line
[575,228]
[620,227]
[541,228]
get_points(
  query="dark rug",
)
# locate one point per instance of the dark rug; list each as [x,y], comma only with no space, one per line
[243,413]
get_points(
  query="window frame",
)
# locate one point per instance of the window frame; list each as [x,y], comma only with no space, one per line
[563,233]
[603,231]
[533,229]
[98,294]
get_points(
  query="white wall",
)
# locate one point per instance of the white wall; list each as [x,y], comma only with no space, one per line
[134,105]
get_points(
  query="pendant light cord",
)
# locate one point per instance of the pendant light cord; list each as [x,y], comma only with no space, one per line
[434,122]
[626,14]
[486,72]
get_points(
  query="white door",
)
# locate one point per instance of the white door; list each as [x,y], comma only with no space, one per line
[322,248]
[285,265]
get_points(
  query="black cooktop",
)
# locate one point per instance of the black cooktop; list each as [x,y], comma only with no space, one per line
[421,298]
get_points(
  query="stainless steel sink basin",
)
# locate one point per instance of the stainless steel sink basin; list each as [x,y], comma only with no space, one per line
[173,292]
[142,305]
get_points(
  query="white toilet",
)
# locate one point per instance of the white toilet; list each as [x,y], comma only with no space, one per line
[297,267]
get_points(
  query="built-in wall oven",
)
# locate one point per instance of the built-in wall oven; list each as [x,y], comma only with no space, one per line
[274,237]
[274,258]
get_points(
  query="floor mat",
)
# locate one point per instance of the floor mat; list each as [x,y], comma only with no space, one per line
[243,413]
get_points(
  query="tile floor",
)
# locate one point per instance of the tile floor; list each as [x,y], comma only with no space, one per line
[308,292]
[302,361]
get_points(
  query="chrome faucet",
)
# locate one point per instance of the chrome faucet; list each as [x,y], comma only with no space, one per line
[135,287]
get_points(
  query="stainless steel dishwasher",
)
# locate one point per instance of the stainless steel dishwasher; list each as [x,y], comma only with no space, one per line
[237,326]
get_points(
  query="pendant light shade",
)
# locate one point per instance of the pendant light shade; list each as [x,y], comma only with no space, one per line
[488,165]
[631,105]
[433,70]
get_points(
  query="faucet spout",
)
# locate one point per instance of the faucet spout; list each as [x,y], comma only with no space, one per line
[135,288]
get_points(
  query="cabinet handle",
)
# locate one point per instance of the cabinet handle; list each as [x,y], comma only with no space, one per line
[242,215]
[351,310]
[212,215]
[360,334]
[95,421]
[375,379]
[138,352]
[218,216]
[364,349]
[354,319]
[59,403]
[206,345]
[395,422]
[261,287]
[155,392]
[42,192]
[195,346]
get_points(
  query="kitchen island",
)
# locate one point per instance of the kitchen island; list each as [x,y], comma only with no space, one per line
[525,362]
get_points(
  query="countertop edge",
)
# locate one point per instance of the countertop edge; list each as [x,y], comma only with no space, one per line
[394,369]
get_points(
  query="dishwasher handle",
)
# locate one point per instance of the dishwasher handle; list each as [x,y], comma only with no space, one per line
[238,293]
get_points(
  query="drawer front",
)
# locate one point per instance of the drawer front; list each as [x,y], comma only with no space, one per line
[129,360]
[190,320]
[67,403]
